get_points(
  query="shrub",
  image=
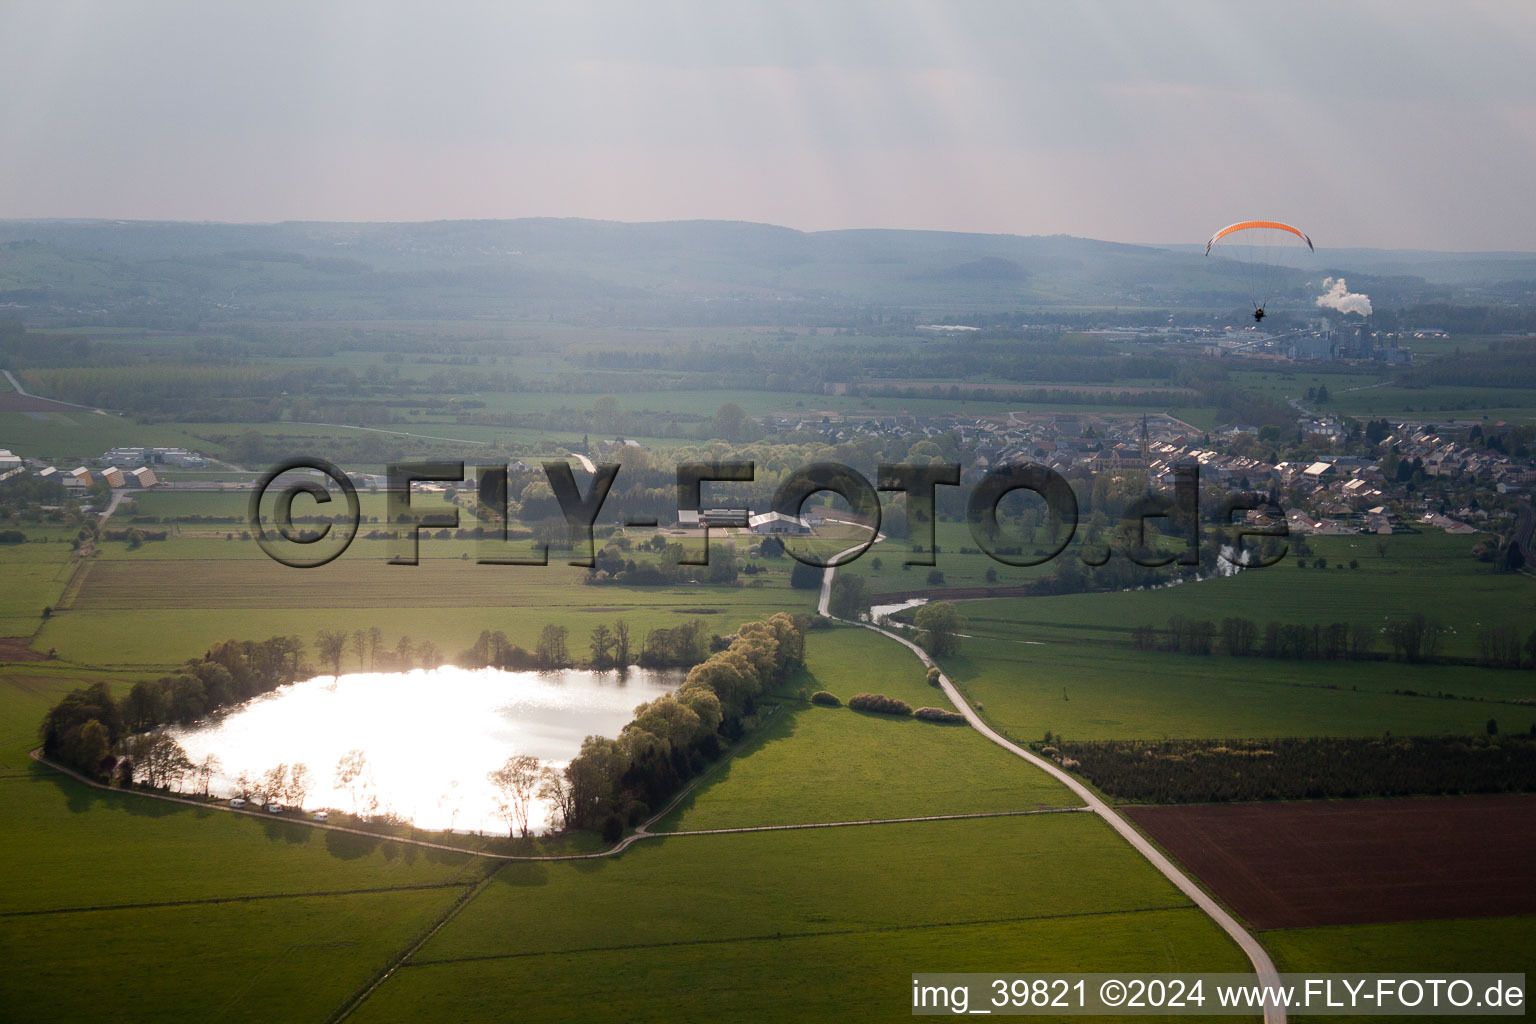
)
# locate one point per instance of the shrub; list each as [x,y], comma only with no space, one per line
[939,715]
[613,828]
[879,703]
[829,699]
[933,677]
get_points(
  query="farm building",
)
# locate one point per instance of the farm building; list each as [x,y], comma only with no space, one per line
[10,464]
[717,517]
[777,524]
[79,477]
[48,473]
[135,456]
[725,516]
[113,476]
[142,477]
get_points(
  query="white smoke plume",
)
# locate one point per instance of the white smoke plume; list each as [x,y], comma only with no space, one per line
[1340,298]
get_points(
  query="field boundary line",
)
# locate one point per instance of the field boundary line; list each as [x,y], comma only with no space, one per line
[361,995]
[776,936]
[870,821]
[251,898]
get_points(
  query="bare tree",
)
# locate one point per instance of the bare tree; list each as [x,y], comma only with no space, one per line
[601,646]
[453,802]
[206,768]
[299,783]
[274,783]
[556,788]
[621,644]
[349,774]
[359,646]
[160,760]
[375,640]
[331,643]
[515,782]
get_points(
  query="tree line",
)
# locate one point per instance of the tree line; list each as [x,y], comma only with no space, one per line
[85,727]
[1206,771]
[1415,639]
[615,782]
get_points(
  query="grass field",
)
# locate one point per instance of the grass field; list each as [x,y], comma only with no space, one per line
[34,575]
[960,568]
[76,845]
[282,959]
[1417,574]
[1067,663]
[1369,395]
[1484,944]
[158,611]
[746,885]
[812,763]
[83,434]
[1105,691]
[858,976]
[832,764]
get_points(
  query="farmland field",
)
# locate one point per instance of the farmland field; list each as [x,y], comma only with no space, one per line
[684,888]
[1298,865]
[35,575]
[1480,944]
[1076,689]
[249,962]
[862,976]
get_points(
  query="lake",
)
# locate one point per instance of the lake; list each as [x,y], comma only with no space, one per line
[429,736]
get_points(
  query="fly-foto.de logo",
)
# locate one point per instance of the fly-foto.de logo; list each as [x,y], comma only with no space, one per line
[315,480]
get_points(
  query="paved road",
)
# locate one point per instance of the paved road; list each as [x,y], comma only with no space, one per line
[118,494]
[1263,966]
[381,430]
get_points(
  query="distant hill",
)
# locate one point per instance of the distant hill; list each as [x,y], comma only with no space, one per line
[656,272]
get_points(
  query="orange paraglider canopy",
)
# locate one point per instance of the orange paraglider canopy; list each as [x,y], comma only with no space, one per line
[1244,225]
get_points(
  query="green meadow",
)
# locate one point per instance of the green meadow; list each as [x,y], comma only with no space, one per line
[256,961]
[1482,944]
[737,886]
[1084,690]
[858,976]
[811,763]
[35,574]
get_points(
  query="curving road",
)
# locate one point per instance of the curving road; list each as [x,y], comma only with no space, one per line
[1263,966]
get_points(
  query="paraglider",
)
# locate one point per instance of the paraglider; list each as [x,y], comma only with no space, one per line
[1261,251]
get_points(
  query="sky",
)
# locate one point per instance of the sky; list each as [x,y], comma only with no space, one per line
[1389,125]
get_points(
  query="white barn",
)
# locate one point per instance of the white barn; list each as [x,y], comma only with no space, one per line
[777,524]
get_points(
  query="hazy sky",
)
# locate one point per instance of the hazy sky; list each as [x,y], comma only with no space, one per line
[1393,124]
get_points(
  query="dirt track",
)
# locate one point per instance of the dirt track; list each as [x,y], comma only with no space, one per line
[1297,865]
